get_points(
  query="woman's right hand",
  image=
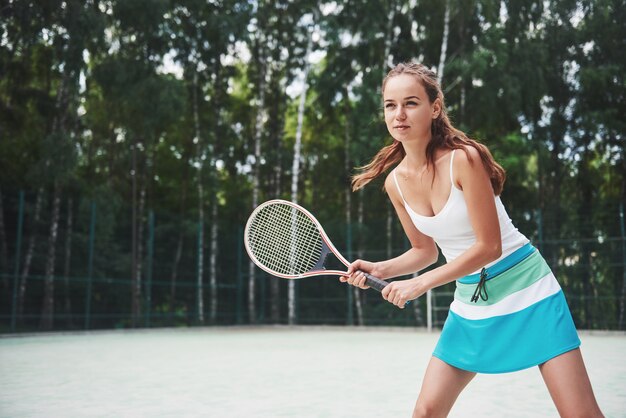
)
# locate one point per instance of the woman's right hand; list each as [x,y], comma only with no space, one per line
[355,275]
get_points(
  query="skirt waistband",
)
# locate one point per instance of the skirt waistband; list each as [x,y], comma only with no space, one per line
[502,265]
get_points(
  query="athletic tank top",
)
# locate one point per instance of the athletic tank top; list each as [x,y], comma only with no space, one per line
[451,228]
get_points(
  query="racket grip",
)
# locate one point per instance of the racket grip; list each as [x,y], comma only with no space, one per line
[375,282]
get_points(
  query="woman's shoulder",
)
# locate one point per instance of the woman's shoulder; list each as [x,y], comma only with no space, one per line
[389,180]
[466,158]
[466,154]
[391,186]
[462,153]
[467,163]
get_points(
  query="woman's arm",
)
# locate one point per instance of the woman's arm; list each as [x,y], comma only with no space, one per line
[473,179]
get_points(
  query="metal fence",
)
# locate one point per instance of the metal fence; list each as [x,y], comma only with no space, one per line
[92,288]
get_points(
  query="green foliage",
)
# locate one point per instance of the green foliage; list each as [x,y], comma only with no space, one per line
[90,91]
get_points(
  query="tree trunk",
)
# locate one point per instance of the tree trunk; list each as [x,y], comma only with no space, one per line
[4,259]
[417,313]
[258,131]
[462,106]
[553,197]
[67,302]
[586,230]
[6,300]
[200,272]
[135,287]
[549,194]
[177,256]
[217,106]
[275,281]
[181,217]
[275,299]
[200,182]
[277,129]
[213,262]
[390,38]
[347,162]
[444,43]
[357,292]
[139,260]
[29,254]
[295,176]
[347,166]
[64,93]
[622,216]
[47,312]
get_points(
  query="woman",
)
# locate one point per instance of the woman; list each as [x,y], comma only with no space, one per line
[509,313]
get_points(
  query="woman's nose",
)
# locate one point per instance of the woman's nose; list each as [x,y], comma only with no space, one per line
[400,113]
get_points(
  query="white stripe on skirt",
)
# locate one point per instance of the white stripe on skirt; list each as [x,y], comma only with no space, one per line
[541,289]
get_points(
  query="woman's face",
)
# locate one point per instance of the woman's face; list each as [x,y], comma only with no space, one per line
[408,112]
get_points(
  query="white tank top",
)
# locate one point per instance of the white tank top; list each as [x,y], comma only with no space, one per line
[451,228]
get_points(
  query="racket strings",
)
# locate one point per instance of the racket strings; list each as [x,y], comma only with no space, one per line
[285,240]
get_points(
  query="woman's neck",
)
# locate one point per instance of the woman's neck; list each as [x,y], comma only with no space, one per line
[415,158]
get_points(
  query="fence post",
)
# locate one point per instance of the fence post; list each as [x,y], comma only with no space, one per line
[92,232]
[350,306]
[239,303]
[262,296]
[148,289]
[200,275]
[429,310]
[539,230]
[18,246]
[623,233]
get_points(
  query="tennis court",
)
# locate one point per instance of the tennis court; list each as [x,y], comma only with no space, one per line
[266,372]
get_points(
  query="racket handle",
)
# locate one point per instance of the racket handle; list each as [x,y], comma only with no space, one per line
[375,282]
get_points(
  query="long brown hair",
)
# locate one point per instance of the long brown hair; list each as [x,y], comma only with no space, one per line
[444,136]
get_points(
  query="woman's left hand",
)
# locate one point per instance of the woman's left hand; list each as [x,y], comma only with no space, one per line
[402,291]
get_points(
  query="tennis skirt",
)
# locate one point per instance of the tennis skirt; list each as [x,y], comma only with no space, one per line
[524,321]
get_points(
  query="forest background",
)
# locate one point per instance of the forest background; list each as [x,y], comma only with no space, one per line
[137,135]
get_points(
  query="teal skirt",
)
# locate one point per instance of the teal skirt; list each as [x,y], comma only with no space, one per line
[521,320]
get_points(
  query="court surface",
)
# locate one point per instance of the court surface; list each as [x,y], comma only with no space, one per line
[267,372]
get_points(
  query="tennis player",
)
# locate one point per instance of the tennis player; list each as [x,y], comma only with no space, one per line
[509,312]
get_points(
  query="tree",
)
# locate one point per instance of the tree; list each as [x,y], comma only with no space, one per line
[148,103]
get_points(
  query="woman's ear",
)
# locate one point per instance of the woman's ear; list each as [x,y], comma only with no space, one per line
[436,108]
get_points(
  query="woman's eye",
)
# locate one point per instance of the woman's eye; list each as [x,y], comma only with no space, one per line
[389,106]
[411,103]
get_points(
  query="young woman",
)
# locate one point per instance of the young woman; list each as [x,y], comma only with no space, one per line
[509,312]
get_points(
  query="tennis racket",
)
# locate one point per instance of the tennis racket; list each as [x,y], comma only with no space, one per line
[286,240]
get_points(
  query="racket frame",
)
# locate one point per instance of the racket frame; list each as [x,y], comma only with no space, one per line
[327,245]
